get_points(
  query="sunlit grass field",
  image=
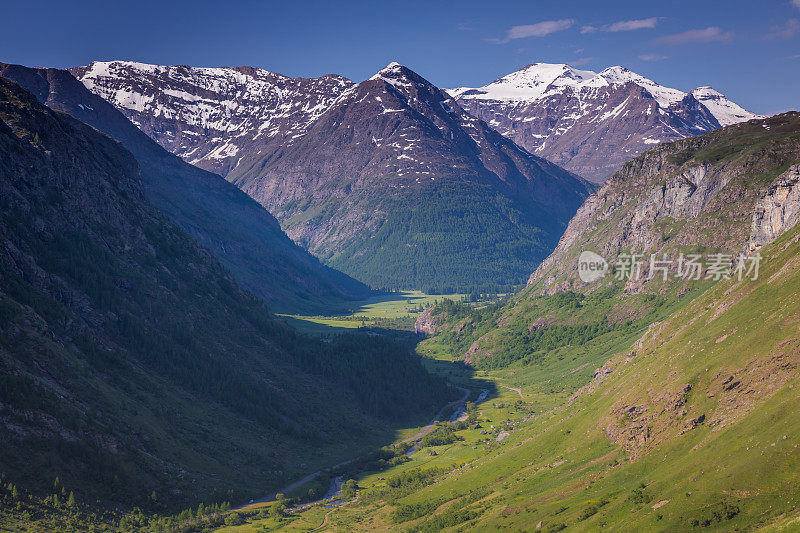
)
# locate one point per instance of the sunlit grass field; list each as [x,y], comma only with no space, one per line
[396,310]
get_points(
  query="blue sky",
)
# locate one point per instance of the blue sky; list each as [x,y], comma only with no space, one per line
[750,50]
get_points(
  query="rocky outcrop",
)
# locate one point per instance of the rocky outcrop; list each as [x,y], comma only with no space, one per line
[706,193]
[777,211]
[427,323]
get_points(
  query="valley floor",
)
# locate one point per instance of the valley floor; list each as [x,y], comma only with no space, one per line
[396,310]
[688,426]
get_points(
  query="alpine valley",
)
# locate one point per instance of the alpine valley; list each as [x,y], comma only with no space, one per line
[238,301]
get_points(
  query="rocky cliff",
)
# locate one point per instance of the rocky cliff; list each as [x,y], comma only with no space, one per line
[729,191]
[776,211]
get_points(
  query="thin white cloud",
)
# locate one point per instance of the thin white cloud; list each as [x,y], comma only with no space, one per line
[707,35]
[651,57]
[588,29]
[796,3]
[630,25]
[784,31]
[581,61]
[540,29]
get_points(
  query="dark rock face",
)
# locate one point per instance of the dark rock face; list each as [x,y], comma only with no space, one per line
[388,180]
[593,123]
[243,235]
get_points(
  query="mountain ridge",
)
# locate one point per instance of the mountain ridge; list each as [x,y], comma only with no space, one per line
[244,236]
[130,361]
[566,115]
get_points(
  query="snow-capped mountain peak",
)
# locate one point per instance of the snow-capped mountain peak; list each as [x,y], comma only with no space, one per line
[212,115]
[665,96]
[394,73]
[725,111]
[530,82]
[591,122]
[393,69]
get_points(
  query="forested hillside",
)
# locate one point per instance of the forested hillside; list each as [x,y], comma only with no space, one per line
[132,365]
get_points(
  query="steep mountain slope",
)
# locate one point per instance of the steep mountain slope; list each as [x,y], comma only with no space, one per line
[727,192]
[243,236]
[130,362]
[392,182]
[591,123]
[702,193]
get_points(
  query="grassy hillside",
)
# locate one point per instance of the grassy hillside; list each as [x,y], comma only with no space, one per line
[131,364]
[693,427]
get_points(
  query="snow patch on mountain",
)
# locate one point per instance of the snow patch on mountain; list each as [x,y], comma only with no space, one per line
[529,83]
[725,111]
[210,115]
[539,80]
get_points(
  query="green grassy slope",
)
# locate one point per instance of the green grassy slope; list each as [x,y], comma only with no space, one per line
[691,428]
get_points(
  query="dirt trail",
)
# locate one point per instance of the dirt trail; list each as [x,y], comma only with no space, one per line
[324,521]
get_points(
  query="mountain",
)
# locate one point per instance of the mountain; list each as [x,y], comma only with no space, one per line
[591,123]
[211,117]
[388,180]
[725,111]
[131,364]
[244,236]
[730,192]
